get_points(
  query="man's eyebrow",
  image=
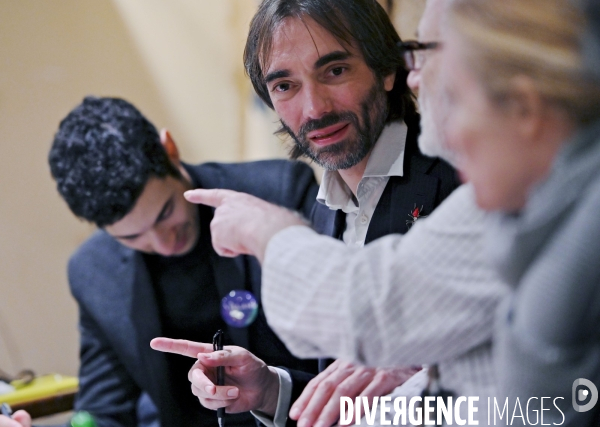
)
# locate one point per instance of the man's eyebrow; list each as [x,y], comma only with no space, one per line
[338,55]
[276,75]
[158,218]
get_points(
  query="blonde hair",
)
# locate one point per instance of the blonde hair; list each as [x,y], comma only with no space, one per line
[537,38]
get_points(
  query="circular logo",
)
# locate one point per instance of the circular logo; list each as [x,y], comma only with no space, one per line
[580,395]
[239,308]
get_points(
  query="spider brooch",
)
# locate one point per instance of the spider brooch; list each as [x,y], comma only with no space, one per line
[414,215]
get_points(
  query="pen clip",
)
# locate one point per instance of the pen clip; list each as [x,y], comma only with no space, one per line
[7,410]
[218,340]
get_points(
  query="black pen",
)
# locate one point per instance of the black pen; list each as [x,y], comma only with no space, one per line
[218,345]
[7,410]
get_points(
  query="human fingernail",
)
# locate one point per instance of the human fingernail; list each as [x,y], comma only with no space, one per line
[232,392]
[294,413]
[209,389]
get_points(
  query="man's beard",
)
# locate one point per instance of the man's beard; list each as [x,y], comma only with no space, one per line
[351,151]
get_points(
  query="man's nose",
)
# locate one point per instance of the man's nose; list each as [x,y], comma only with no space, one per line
[316,100]
[414,80]
[163,240]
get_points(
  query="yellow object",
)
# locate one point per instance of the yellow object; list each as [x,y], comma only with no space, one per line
[42,387]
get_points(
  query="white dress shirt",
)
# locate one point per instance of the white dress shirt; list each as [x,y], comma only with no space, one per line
[426,297]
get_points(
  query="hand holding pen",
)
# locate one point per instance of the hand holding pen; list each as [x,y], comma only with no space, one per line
[251,384]
[18,419]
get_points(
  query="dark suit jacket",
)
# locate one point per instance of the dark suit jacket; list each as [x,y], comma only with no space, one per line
[119,314]
[427,181]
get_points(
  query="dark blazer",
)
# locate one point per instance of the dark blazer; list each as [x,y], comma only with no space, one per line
[119,314]
[426,182]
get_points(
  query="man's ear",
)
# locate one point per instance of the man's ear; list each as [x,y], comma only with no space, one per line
[388,81]
[170,147]
[526,106]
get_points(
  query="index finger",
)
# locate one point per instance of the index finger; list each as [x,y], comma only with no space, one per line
[212,197]
[183,347]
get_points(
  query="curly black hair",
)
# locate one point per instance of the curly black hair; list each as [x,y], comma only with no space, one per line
[102,156]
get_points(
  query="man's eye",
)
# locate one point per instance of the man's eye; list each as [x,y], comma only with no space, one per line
[166,213]
[281,87]
[337,71]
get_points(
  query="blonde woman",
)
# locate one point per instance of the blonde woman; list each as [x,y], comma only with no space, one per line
[524,123]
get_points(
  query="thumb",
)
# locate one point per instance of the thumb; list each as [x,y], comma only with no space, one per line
[22,418]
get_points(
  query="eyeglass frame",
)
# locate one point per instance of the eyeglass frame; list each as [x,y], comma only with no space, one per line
[408,49]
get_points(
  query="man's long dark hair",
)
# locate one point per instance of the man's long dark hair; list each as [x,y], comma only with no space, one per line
[360,23]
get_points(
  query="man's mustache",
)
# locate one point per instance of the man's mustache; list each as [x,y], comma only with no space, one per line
[325,121]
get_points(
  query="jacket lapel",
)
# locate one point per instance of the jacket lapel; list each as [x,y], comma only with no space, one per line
[125,304]
[328,222]
[229,273]
[402,194]
[393,215]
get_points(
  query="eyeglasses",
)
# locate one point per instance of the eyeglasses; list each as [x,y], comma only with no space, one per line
[414,53]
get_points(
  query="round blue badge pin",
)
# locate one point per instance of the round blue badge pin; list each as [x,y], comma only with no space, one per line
[239,308]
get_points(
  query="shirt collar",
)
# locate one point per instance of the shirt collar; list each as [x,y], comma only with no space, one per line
[387,159]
